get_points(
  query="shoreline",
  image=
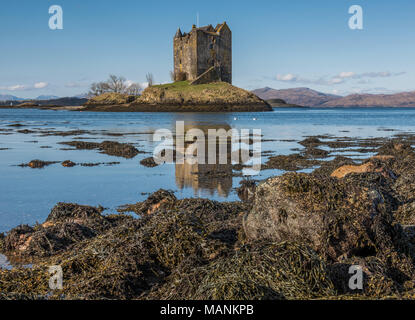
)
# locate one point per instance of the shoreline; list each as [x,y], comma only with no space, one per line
[178,108]
[189,108]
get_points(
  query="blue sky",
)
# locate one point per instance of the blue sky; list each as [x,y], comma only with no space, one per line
[280,44]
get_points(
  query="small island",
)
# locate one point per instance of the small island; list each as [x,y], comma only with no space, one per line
[181,97]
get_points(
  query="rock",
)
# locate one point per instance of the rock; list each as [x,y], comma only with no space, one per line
[68,163]
[375,164]
[37,164]
[111,148]
[66,224]
[148,162]
[335,217]
[156,201]
[346,169]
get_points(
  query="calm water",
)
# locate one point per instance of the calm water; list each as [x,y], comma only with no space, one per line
[27,195]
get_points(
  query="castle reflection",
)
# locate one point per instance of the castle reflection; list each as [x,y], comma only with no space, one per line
[206,178]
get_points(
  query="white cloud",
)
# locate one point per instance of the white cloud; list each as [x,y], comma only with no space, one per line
[21,87]
[40,85]
[16,87]
[287,77]
[336,81]
[346,74]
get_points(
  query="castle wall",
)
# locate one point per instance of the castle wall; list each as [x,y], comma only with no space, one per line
[185,53]
[201,49]
[224,54]
[206,53]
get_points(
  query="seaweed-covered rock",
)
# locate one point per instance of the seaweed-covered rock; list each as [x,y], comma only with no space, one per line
[37,164]
[64,212]
[148,162]
[161,198]
[66,224]
[257,271]
[333,217]
[111,148]
[68,163]
[292,162]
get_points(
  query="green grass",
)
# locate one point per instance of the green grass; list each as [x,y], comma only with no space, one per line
[185,86]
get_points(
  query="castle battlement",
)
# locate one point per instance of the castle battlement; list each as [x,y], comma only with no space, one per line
[203,52]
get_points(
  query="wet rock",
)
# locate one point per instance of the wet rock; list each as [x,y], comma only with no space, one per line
[18,239]
[68,163]
[26,131]
[311,142]
[111,148]
[17,125]
[149,162]
[37,164]
[379,163]
[155,201]
[118,149]
[64,212]
[95,164]
[66,224]
[314,153]
[327,167]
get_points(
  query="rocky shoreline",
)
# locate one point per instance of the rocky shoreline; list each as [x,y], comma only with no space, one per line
[294,237]
[177,108]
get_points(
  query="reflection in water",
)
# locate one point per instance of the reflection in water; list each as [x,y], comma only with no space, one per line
[206,177]
[5,263]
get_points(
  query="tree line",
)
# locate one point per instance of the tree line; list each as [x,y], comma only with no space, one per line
[118,84]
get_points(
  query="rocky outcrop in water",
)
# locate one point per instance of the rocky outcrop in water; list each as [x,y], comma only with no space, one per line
[181,96]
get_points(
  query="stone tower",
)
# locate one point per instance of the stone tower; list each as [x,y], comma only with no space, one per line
[204,54]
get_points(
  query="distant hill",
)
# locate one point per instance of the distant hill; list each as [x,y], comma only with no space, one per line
[67,101]
[312,98]
[60,102]
[403,99]
[46,97]
[8,97]
[299,96]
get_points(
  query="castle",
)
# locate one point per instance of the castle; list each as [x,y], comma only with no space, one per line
[203,55]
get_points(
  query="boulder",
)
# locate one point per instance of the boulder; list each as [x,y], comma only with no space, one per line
[335,217]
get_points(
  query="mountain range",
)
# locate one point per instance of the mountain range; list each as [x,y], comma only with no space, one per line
[7,97]
[311,98]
